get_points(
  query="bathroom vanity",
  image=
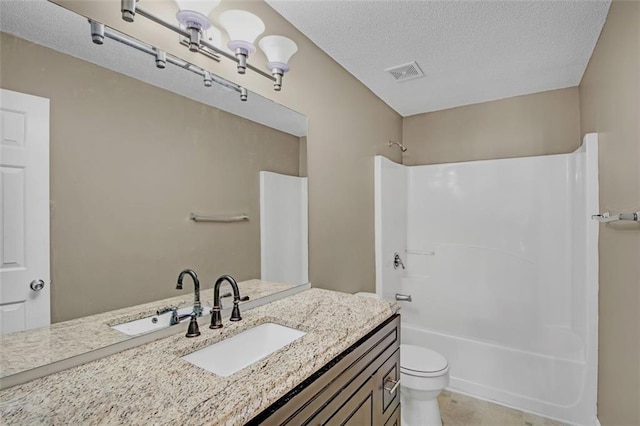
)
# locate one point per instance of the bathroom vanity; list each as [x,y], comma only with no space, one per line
[339,369]
[358,387]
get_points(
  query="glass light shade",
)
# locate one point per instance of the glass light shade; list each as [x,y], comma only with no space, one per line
[195,13]
[279,50]
[203,7]
[243,29]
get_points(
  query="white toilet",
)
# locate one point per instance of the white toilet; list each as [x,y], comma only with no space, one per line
[423,375]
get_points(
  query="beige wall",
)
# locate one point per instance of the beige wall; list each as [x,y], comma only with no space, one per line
[348,126]
[129,162]
[610,105]
[538,124]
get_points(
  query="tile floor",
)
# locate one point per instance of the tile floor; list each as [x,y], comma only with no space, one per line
[461,410]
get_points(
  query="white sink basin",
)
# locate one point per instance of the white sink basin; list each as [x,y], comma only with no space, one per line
[237,352]
[152,323]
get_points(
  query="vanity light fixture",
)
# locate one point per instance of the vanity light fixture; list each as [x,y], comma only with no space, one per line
[279,50]
[194,16]
[242,27]
[208,79]
[195,13]
[99,32]
[161,58]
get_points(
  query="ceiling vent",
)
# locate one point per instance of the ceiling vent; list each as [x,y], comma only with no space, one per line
[405,72]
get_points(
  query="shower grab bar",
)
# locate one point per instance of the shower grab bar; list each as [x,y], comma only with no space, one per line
[423,252]
[223,219]
[606,217]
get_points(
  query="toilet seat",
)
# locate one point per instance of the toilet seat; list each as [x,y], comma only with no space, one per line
[421,362]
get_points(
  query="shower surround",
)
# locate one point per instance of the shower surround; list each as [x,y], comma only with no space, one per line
[502,265]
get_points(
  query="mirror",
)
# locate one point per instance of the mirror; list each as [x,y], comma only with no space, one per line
[133,151]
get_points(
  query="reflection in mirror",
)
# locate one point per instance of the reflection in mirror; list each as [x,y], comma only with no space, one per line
[133,151]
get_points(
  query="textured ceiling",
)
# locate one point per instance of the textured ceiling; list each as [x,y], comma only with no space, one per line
[47,24]
[469,51]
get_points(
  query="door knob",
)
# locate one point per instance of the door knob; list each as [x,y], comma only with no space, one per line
[36,285]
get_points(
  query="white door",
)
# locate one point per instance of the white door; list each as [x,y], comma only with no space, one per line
[24,212]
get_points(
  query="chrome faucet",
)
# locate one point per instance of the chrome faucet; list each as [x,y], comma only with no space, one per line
[197,306]
[216,316]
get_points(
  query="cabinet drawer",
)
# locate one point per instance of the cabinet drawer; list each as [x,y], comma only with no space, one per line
[358,410]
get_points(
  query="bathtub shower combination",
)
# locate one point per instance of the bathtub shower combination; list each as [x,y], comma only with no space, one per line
[501,264]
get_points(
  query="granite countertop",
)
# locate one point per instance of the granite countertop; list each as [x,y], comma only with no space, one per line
[29,349]
[151,384]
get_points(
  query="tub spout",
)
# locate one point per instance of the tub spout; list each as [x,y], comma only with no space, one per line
[403,297]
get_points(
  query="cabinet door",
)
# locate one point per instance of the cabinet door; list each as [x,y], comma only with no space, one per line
[387,376]
[394,420]
[371,404]
[358,410]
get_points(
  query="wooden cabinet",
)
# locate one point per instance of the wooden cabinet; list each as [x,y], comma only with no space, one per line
[394,419]
[356,388]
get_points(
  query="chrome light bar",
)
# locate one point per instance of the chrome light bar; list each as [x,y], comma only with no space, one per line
[130,9]
[99,31]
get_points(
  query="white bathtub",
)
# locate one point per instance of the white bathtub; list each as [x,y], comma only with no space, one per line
[502,265]
[512,377]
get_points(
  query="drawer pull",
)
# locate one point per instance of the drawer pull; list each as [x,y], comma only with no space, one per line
[391,385]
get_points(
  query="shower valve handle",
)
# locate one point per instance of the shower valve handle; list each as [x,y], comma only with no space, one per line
[397,261]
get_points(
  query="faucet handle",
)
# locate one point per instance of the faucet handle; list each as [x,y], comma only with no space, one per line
[167,309]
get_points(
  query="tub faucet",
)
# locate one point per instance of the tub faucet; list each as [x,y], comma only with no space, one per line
[197,306]
[216,316]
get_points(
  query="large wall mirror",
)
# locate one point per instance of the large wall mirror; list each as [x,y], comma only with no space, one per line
[134,150]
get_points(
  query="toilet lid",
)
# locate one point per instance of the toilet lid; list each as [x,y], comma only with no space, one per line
[416,360]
